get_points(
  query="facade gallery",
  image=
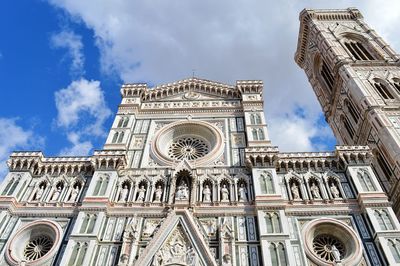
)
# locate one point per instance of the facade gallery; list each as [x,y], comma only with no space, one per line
[189,176]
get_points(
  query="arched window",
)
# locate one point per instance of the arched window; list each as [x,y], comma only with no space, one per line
[120,122]
[7,188]
[115,137]
[382,89]
[278,254]
[97,187]
[255,134]
[358,50]
[327,76]
[261,135]
[273,222]
[91,224]
[85,224]
[365,181]
[126,121]
[383,219]
[347,126]
[352,110]
[252,119]
[121,137]
[266,184]
[396,84]
[104,185]
[394,246]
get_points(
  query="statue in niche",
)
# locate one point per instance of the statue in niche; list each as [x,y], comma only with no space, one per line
[56,194]
[131,230]
[206,194]
[315,191]
[74,194]
[182,192]
[158,193]
[142,193]
[295,191]
[39,193]
[224,194]
[209,226]
[123,195]
[149,227]
[334,190]
[242,193]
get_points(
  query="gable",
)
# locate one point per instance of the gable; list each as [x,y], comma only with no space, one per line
[177,242]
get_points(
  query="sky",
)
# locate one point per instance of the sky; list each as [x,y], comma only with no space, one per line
[62,63]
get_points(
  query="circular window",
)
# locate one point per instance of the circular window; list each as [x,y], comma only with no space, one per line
[197,141]
[38,247]
[328,240]
[190,148]
[34,244]
[325,245]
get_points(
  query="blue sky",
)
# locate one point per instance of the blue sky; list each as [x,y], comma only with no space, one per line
[62,64]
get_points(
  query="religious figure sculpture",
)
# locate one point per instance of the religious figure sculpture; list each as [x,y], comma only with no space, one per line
[158,193]
[56,194]
[206,194]
[39,193]
[242,193]
[224,194]
[226,260]
[142,193]
[74,194]
[295,191]
[334,190]
[315,191]
[183,192]
[124,194]
[336,253]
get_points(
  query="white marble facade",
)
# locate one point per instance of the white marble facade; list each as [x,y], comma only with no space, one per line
[188,176]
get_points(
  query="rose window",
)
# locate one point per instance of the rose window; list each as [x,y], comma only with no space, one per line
[189,148]
[37,248]
[323,246]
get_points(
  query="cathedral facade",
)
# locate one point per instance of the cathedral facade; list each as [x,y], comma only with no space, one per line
[189,176]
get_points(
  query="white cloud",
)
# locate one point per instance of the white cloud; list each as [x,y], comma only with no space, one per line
[78,147]
[82,101]
[162,41]
[73,43]
[13,137]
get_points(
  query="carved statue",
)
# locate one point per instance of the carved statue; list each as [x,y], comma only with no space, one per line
[182,192]
[142,193]
[74,194]
[206,194]
[56,194]
[39,193]
[334,190]
[123,195]
[224,194]
[315,191]
[336,253]
[226,260]
[295,191]
[242,193]
[149,227]
[159,192]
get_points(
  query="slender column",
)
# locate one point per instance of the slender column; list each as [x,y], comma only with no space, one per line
[200,192]
[218,192]
[234,188]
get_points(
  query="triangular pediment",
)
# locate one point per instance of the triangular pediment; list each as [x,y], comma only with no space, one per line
[177,242]
[192,89]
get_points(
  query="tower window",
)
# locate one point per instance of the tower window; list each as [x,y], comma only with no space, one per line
[327,75]
[352,110]
[382,90]
[396,84]
[347,125]
[358,50]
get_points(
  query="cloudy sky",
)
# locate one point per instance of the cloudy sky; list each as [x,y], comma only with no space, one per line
[62,63]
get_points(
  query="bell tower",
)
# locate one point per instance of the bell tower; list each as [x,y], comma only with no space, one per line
[356,77]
